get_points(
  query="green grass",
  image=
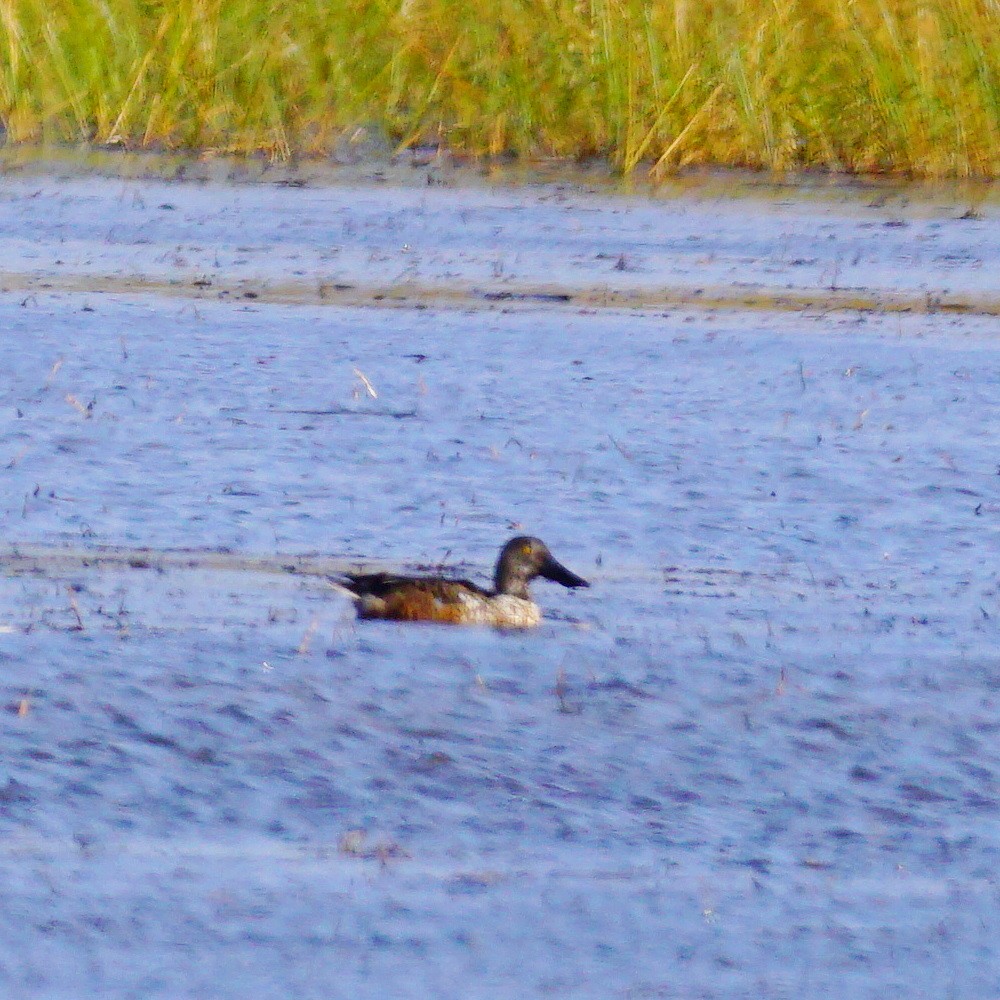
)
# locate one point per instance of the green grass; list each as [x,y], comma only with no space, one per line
[900,86]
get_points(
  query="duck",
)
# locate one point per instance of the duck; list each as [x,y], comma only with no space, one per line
[460,602]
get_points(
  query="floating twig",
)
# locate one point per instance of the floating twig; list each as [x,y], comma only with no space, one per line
[371,390]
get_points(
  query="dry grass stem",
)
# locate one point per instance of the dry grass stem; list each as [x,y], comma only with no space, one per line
[369,388]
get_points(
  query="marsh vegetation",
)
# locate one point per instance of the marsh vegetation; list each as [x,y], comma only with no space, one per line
[856,85]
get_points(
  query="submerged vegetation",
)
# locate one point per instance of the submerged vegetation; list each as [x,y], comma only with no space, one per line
[908,86]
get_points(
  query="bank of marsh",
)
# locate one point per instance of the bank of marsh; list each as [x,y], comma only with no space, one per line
[856,85]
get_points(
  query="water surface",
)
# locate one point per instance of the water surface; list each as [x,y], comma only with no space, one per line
[757,758]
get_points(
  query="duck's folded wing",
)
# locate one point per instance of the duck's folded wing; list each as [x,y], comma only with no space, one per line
[382,585]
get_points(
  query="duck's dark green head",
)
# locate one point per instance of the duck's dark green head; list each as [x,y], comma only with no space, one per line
[522,559]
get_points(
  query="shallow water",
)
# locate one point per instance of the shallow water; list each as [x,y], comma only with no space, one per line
[757,758]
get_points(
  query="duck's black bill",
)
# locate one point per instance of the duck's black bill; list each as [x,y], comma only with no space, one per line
[553,570]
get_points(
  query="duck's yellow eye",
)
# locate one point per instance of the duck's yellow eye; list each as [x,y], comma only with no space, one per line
[527,549]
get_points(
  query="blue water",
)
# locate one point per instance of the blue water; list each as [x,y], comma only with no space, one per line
[757,758]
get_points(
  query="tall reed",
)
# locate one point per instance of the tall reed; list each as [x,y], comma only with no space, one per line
[909,86]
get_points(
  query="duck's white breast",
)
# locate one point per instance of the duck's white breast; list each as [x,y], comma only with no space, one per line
[503,611]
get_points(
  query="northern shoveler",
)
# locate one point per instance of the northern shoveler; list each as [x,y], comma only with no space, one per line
[441,599]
